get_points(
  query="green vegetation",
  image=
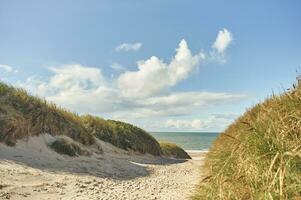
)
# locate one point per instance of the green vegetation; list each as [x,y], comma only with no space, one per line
[23,115]
[70,148]
[122,135]
[173,150]
[259,155]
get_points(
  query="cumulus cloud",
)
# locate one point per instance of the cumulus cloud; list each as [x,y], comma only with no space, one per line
[7,68]
[75,77]
[134,95]
[77,87]
[219,47]
[154,76]
[128,47]
[67,78]
[84,89]
[222,41]
[212,121]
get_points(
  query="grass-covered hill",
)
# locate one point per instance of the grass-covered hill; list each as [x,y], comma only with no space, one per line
[259,155]
[173,150]
[122,135]
[23,115]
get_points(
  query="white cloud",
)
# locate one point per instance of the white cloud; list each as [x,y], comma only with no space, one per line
[7,68]
[183,103]
[196,98]
[222,41]
[76,77]
[66,78]
[34,84]
[154,76]
[84,89]
[129,47]
[213,121]
[77,87]
[219,47]
[100,101]
[117,66]
[134,95]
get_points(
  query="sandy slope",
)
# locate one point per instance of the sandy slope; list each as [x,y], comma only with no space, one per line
[32,171]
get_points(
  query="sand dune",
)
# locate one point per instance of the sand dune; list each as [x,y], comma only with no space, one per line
[31,170]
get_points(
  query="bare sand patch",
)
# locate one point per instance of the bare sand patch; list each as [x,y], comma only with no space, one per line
[31,170]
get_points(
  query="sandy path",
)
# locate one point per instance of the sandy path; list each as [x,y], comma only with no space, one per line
[162,180]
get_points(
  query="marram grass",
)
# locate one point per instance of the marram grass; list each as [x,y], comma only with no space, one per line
[259,155]
[23,115]
[173,150]
[122,135]
[68,147]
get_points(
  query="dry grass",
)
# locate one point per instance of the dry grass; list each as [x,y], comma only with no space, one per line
[259,155]
[173,150]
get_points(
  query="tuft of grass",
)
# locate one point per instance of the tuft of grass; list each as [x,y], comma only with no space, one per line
[122,135]
[68,147]
[173,150]
[259,155]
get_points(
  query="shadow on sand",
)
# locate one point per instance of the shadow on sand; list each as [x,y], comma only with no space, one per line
[113,165]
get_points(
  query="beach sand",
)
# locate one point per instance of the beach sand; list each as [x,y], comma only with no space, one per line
[31,170]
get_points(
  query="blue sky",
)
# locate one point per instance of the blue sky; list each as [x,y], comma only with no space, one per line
[66,51]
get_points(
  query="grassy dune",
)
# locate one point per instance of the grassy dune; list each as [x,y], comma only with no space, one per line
[259,155]
[23,115]
[173,150]
[122,135]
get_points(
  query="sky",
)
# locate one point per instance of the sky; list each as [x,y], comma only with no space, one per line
[162,65]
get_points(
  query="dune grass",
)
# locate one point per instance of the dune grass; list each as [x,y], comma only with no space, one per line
[122,135]
[259,155]
[23,115]
[173,150]
[68,147]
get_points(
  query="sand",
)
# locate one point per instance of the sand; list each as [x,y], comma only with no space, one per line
[31,170]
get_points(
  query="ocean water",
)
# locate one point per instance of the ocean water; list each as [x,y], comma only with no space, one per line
[197,141]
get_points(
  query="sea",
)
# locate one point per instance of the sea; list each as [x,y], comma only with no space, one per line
[189,141]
